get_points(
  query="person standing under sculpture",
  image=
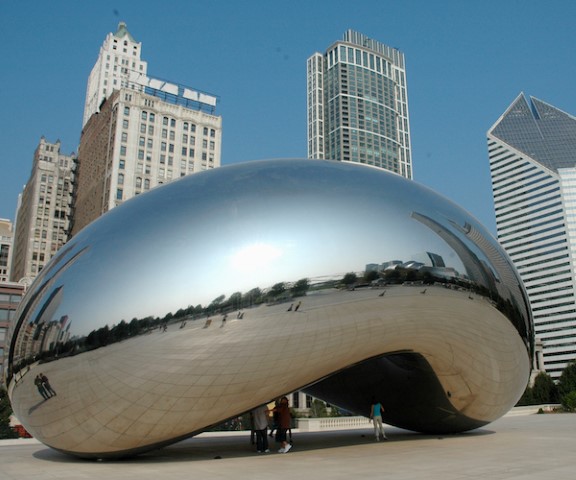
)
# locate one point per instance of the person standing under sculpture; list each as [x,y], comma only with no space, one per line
[260,423]
[284,424]
[376,410]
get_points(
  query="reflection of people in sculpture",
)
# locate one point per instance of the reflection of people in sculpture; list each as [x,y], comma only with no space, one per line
[47,385]
[260,425]
[208,322]
[284,424]
[41,388]
[224,320]
[297,306]
[376,410]
[290,307]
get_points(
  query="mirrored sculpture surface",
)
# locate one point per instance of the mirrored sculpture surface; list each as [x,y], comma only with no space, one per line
[206,297]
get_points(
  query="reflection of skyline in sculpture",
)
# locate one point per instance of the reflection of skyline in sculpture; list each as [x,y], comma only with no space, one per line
[29,312]
[483,272]
[463,341]
[286,243]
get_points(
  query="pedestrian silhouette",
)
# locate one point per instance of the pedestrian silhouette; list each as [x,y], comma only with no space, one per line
[41,388]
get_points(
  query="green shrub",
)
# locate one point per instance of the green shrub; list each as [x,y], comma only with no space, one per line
[569,401]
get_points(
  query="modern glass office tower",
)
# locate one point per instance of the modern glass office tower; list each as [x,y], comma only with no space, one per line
[532,151]
[357,104]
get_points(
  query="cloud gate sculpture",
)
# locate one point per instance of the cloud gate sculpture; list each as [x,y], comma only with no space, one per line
[206,297]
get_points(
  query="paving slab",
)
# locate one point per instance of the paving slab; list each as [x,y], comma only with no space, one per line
[520,447]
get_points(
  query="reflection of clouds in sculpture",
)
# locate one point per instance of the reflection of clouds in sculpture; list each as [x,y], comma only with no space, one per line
[207,240]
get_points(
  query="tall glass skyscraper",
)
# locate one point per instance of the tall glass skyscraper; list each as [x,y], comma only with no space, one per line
[532,151]
[358,104]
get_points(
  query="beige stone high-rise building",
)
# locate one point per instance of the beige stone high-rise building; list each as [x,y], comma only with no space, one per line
[43,215]
[143,133]
[136,142]
[6,241]
[118,60]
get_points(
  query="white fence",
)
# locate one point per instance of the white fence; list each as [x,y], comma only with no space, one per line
[332,423]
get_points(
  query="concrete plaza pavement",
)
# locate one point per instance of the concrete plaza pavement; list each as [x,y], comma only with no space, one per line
[520,447]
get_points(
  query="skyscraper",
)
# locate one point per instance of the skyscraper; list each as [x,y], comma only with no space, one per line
[44,209]
[139,131]
[532,152]
[118,66]
[6,241]
[357,104]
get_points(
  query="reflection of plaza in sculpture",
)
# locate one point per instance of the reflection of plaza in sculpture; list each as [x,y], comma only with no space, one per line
[121,319]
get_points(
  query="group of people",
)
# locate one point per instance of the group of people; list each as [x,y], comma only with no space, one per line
[282,423]
[43,386]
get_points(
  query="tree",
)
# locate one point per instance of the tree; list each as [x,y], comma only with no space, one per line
[350,279]
[277,289]
[300,288]
[569,401]
[318,409]
[5,411]
[567,380]
[235,301]
[544,389]
[371,275]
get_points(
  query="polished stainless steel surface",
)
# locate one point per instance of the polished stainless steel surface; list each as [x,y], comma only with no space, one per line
[203,298]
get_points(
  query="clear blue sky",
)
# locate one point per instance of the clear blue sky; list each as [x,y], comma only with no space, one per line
[466,62]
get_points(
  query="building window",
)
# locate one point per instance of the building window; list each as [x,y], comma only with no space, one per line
[126,110]
[118,194]
[120,179]
[151,117]
[121,164]
[212,132]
